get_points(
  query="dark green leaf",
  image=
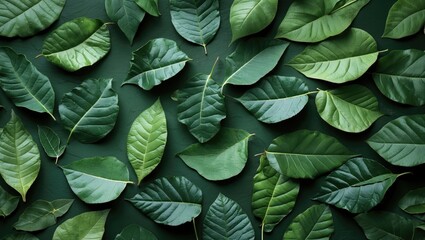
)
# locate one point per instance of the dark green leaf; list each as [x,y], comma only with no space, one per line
[413,202]
[20,236]
[8,202]
[51,142]
[150,6]
[135,232]
[405,18]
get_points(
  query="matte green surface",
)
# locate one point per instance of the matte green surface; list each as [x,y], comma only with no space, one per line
[51,183]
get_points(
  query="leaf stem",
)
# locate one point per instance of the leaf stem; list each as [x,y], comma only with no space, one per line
[262,231]
[205,48]
[39,55]
[312,92]
[194,228]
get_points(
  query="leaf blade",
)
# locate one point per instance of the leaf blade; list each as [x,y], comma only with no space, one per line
[405,18]
[8,202]
[150,6]
[135,232]
[50,142]
[413,201]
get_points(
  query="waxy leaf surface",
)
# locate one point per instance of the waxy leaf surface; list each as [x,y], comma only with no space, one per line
[135,232]
[8,202]
[405,18]
[150,6]
[413,202]
[20,236]
[50,142]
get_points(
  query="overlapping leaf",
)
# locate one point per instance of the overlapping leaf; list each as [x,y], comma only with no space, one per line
[413,202]
[20,236]
[150,6]
[8,202]
[50,142]
[135,232]
[405,18]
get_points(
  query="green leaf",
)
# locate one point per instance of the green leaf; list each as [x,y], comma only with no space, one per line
[252,60]
[25,18]
[314,223]
[225,219]
[97,179]
[196,21]
[8,202]
[276,98]
[78,43]
[170,201]
[90,110]
[156,61]
[42,214]
[273,196]
[413,202]
[222,157]
[357,186]
[24,84]
[400,76]
[327,17]
[126,14]
[19,156]
[20,236]
[146,140]
[251,16]
[401,142]
[88,225]
[351,108]
[51,142]
[405,18]
[135,232]
[343,58]
[150,6]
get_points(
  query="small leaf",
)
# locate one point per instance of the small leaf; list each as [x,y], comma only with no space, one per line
[51,142]
[405,18]
[150,6]
[8,202]
[156,61]
[225,219]
[413,202]
[170,201]
[222,157]
[20,236]
[78,43]
[135,232]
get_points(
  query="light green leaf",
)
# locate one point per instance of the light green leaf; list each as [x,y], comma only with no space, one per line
[90,110]
[401,142]
[273,196]
[400,76]
[78,43]
[20,236]
[135,232]
[8,202]
[405,18]
[314,223]
[413,202]
[343,58]
[222,157]
[156,61]
[276,98]
[225,219]
[170,201]
[42,214]
[150,6]
[24,84]
[50,142]
[19,156]
[317,20]
[25,18]
[351,108]
[146,140]
[306,154]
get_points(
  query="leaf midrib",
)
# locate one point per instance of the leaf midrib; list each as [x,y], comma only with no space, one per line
[307,154]
[401,22]
[275,99]
[331,95]
[403,76]
[97,177]
[24,12]
[331,61]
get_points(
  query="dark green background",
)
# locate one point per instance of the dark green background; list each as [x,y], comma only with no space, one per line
[51,183]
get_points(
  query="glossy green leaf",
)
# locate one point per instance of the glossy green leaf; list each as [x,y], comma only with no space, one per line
[196,21]
[90,110]
[276,98]
[42,214]
[317,20]
[24,84]
[156,61]
[146,140]
[170,201]
[150,6]
[405,18]
[401,142]
[306,154]
[19,156]
[223,157]
[413,202]
[351,108]
[8,202]
[314,223]
[50,142]
[78,43]
[273,196]
[25,18]
[88,225]
[20,236]
[251,16]
[97,179]
[135,232]
[126,14]
[343,58]
[400,76]
[225,219]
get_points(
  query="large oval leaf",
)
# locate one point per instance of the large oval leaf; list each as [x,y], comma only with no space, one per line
[97,179]
[8,202]
[276,98]
[225,219]
[327,17]
[135,232]
[90,110]
[146,140]
[400,76]
[273,195]
[19,156]
[78,43]
[405,18]
[25,18]
[150,6]
[413,202]
[156,61]
[222,157]
[50,142]
[333,61]
[401,142]
[20,236]
[24,84]
[306,154]
[196,21]
[170,201]
[351,108]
